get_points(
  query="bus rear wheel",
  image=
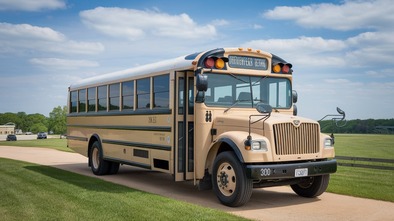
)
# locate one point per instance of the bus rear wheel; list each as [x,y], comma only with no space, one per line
[229,180]
[113,168]
[312,186]
[98,165]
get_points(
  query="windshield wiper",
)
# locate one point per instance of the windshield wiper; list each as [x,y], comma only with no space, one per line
[235,103]
[234,76]
[262,78]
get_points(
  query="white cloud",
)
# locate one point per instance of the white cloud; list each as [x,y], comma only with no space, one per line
[359,99]
[31,5]
[310,45]
[349,15]
[375,48]
[337,81]
[381,73]
[135,24]
[369,49]
[309,51]
[57,63]
[257,26]
[17,38]
[29,32]
[219,22]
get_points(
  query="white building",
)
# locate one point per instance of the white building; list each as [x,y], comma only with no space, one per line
[8,128]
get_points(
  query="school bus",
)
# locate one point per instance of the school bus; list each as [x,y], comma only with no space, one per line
[225,118]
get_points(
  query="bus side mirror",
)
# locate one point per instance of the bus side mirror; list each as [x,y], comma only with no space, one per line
[295,110]
[295,96]
[264,108]
[200,97]
[202,82]
[341,112]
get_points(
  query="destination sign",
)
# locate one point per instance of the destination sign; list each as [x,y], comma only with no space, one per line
[236,61]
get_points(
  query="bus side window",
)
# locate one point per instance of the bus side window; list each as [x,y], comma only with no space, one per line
[128,95]
[143,93]
[92,99]
[161,91]
[114,96]
[82,101]
[73,101]
[102,98]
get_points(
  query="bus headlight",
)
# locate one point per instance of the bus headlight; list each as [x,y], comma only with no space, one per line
[259,145]
[328,143]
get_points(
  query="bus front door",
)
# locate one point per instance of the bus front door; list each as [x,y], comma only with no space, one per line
[184,126]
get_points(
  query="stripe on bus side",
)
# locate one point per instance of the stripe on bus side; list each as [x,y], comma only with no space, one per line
[119,127]
[136,144]
[122,113]
[131,163]
[77,138]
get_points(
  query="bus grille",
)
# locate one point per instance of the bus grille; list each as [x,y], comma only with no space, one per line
[290,140]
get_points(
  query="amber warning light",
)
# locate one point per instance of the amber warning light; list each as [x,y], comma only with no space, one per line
[218,63]
[284,68]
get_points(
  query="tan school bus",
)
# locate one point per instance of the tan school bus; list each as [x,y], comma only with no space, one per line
[224,118]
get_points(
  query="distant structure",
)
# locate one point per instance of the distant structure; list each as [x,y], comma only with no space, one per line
[8,128]
[384,129]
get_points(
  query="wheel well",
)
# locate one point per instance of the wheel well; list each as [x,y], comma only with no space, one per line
[223,147]
[219,147]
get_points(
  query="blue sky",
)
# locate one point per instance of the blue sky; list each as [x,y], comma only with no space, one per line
[342,51]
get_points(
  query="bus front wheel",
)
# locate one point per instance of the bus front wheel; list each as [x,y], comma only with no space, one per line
[229,180]
[312,186]
[98,165]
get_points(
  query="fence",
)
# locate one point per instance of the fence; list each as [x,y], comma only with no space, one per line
[388,164]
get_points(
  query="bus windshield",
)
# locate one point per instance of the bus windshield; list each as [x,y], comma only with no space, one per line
[231,90]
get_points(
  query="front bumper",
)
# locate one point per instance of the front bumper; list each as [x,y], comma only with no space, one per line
[291,170]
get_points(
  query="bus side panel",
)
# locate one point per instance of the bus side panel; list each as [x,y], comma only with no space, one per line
[141,140]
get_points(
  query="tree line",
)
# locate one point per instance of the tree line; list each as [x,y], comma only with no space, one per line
[369,126]
[56,122]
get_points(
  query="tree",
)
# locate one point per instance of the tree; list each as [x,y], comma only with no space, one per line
[38,127]
[33,119]
[21,123]
[57,120]
[18,119]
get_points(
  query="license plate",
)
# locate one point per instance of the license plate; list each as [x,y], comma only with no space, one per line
[301,172]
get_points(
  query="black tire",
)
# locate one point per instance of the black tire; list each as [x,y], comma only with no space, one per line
[312,186]
[113,168]
[98,165]
[229,180]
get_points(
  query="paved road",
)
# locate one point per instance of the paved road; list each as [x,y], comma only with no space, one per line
[277,203]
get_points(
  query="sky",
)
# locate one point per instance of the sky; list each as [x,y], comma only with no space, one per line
[342,52]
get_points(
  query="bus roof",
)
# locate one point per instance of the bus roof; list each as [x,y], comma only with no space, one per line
[180,63]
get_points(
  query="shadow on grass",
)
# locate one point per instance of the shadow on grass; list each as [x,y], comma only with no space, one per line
[186,191]
[88,183]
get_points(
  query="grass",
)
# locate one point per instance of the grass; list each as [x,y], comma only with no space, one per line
[365,145]
[360,182]
[53,143]
[364,182]
[33,192]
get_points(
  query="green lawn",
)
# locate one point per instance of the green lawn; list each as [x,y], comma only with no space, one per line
[365,145]
[360,182]
[364,182]
[53,143]
[33,192]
